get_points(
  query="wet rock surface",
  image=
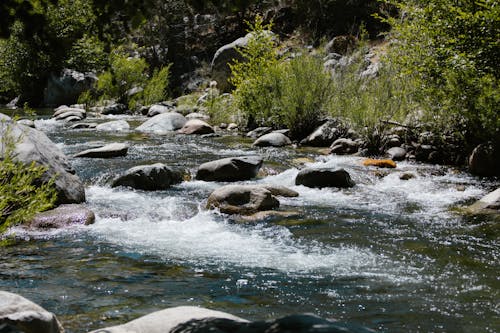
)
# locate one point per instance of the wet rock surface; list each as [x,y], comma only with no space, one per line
[107,151]
[320,178]
[63,216]
[149,177]
[230,169]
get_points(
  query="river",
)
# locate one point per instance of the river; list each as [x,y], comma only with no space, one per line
[389,254]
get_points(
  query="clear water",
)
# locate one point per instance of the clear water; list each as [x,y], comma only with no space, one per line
[388,254]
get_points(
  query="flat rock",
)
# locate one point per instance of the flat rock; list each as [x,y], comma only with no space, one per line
[267,215]
[63,216]
[280,190]
[230,169]
[152,177]
[65,109]
[259,131]
[273,139]
[83,125]
[18,314]
[320,178]
[379,163]
[169,319]
[163,123]
[196,126]
[107,151]
[26,122]
[489,204]
[242,199]
[113,126]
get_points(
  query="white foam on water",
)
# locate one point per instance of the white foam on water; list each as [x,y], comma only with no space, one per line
[208,239]
[430,196]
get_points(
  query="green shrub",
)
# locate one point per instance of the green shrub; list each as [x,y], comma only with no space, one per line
[450,49]
[124,74]
[271,91]
[369,103]
[156,89]
[22,195]
[87,55]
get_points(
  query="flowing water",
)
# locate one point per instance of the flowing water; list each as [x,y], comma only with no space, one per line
[388,254]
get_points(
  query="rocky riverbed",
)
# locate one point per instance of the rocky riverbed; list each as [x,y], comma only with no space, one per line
[392,251]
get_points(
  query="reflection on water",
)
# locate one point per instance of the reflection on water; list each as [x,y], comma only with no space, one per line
[389,254]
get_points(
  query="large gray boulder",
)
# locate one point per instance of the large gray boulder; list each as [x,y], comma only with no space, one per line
[324,135]
[230,169]
[221,60]
[17,314]
[320,178]
[273,139]
[32,145]
[485,160]
[196,126]
[259,131]
[113,126]
[107,151]
[167,320]
[63,216]
[242,199]
[149,177]
[66,87]
[163,123]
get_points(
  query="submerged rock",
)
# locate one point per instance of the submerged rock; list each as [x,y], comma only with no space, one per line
[149,177]
[63,216]
[108,151]
[113,126]
[196,126]
[242,199]
[320,178]
[32,145]
[273,139]
[18,314]
[163,123]
[230,169]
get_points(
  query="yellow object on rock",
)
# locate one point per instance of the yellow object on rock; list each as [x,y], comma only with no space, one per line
[379,163]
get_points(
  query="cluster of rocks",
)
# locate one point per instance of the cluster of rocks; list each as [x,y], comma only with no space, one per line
[18,314]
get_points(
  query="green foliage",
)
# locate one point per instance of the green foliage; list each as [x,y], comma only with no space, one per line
[156,89]
[124,74]
[274,92]
[368,103]
[21,193]
[451,49]
[87,55]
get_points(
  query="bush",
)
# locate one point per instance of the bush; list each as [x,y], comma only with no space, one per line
[21,193]
[156,89]
[274,92]
[369,103]
[87,55]
[450,49]
[124,74]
